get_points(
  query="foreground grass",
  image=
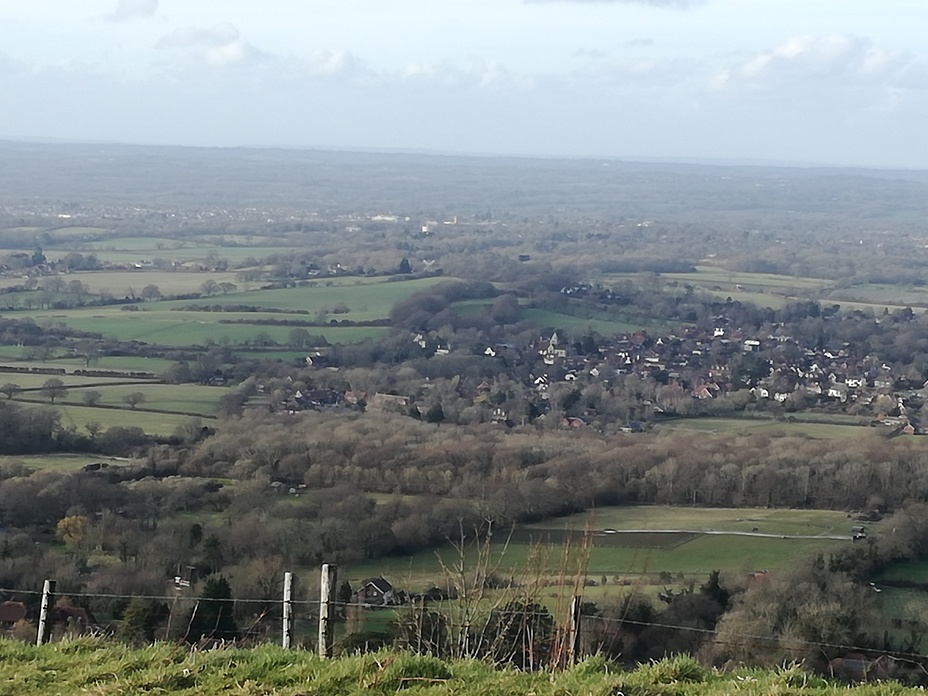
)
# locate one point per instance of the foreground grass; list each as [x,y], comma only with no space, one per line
[92,666]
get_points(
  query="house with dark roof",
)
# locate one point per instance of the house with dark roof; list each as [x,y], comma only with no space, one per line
[377,592]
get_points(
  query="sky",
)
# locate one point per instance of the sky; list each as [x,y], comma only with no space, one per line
[836,82]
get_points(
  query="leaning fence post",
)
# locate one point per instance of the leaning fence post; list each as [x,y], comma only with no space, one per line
[326,598]
[45,622]
[288,610]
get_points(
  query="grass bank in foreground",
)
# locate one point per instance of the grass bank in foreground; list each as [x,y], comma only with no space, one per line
[92,666]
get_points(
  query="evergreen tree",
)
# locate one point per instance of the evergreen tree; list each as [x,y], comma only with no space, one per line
[213,614]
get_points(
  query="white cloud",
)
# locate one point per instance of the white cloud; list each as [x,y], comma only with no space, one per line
[217,46]
[478,73]
[129,9]
[829,61]
[328,63]
[217,36]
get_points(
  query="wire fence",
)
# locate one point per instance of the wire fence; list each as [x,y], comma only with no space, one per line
[518,626]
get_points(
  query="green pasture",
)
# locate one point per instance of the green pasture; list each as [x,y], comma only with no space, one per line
[151,423]
[69,232]
[192,328]
[12,356]
[123,363]
[233,256]
[881,294]
[60,462]
[119,283]
[133,244]
[35,381]
[709,275]
[365,301]
[733,554]
[22,231]
[575,324]
[909,571]
[629,558]
[179,398]
[652,517]
[760,299]
[156,322]
[763,289]
[274,355]
[904,604]
[750,426]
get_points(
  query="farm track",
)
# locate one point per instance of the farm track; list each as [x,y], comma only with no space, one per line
[715,532]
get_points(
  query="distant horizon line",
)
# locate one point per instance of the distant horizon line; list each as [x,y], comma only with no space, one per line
[427,152]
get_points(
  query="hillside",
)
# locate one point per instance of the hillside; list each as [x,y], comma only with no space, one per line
[92,666]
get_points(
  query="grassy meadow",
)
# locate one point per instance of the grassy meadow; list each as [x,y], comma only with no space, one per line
[59,462]
[776,291]
[179,323]
[102,668]
[628,559]
[849,427]
[11,356]
[151,422]
[603,325]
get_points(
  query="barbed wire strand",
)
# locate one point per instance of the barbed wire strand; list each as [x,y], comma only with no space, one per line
[479,613]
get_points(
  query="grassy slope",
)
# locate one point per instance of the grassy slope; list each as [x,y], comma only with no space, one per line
[92,666]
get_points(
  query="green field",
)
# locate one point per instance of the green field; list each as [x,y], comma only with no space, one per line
[166,406]
[713,275]
[180,398]
[776,291]
[627,558]
[575,324]
[910,571]
[151,423]
[880,295]
[358,299]
[194,328]
[119,363]
[59,462]
[119,283]
[365,301]
[651,517]
[35,381]
[750,426]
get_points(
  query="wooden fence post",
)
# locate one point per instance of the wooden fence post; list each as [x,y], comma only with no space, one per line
[288,611]
[326,599]
[45,620]
[573,634]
